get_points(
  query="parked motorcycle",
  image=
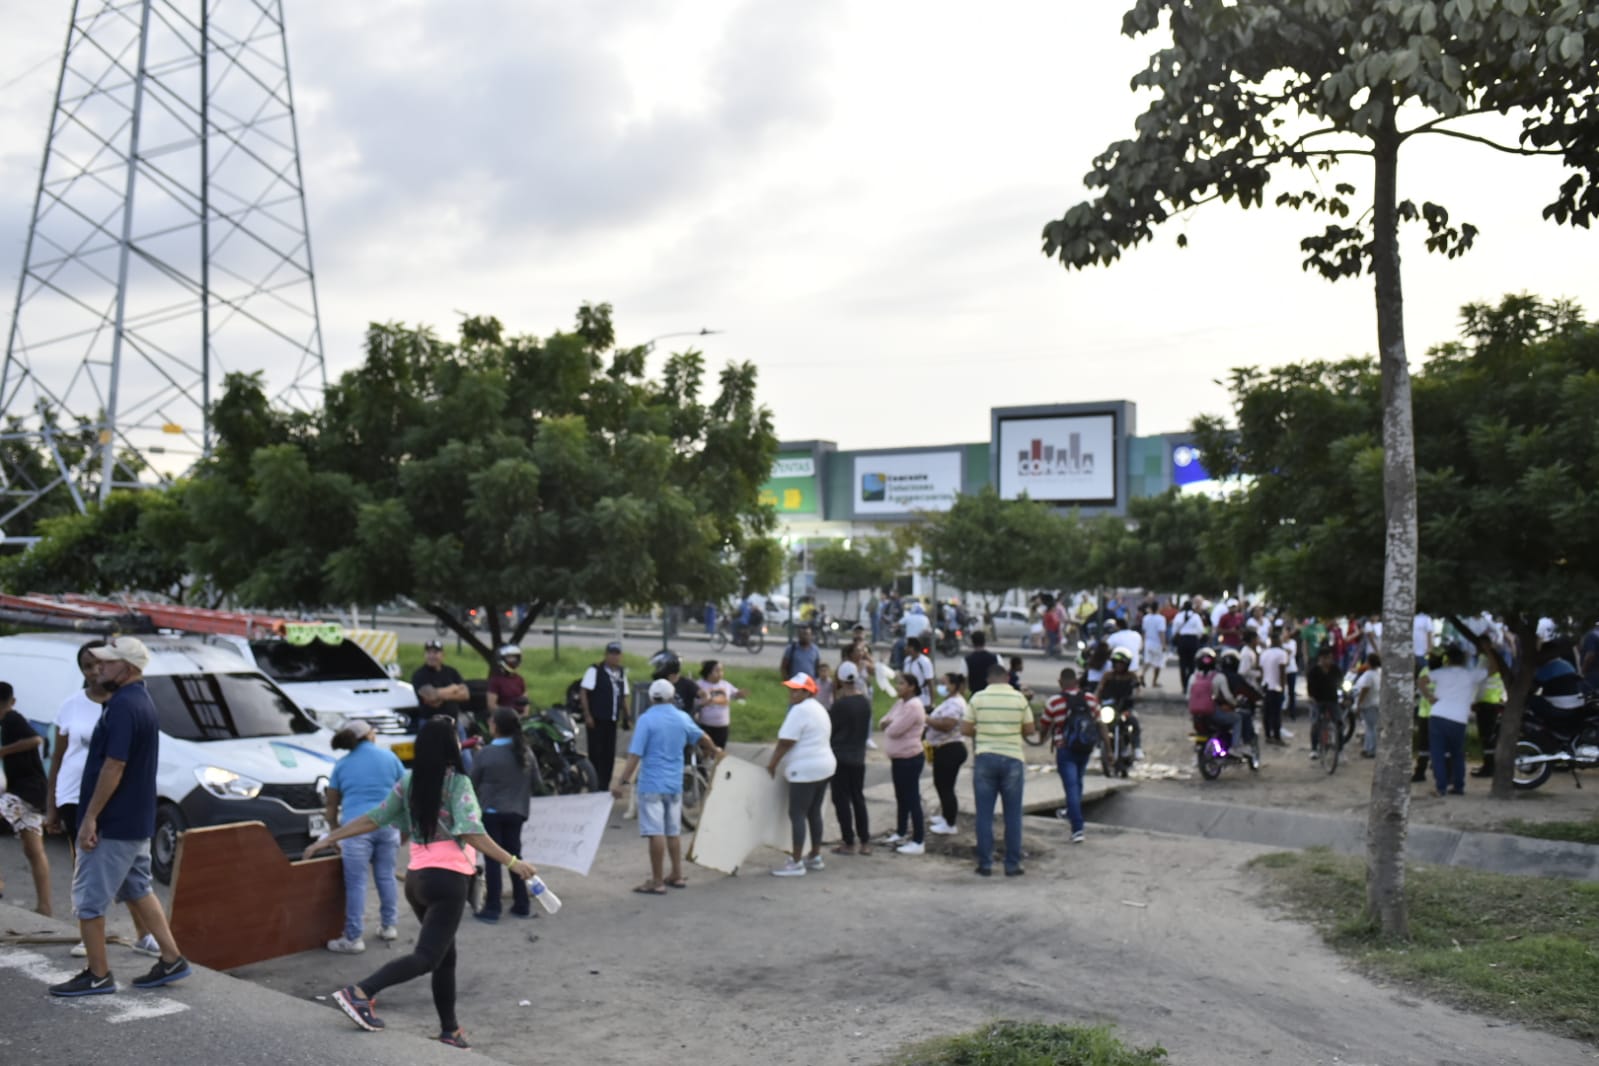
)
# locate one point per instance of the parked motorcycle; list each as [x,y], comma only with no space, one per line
[1548,744]
[1213,746]
[552,736]
[1117,760]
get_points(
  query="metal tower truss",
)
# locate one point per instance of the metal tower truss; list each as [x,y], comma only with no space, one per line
[169,246]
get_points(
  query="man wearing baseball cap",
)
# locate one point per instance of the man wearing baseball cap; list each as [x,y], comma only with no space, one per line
[656,758]
[439,689]
[603,693]
[116,819]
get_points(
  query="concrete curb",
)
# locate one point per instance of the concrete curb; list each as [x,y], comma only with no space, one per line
[1500,853]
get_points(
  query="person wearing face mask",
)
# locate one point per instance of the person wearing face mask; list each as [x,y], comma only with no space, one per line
[949,750]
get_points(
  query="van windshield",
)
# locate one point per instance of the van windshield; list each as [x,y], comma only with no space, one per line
[316,661]
[224,707]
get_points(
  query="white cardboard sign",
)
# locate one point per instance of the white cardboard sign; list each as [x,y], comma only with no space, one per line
[565,831]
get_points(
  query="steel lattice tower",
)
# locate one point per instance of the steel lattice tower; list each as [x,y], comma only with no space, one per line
[169,245]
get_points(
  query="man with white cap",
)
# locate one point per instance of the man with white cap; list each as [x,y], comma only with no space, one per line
[655,761]
[116,818]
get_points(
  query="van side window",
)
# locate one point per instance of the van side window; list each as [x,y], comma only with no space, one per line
[203,707]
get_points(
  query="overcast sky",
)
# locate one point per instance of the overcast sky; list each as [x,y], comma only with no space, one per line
[851,189]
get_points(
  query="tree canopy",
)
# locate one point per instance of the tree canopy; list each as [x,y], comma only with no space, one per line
[867,563]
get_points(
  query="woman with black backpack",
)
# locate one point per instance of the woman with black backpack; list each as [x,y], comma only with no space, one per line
[435,805]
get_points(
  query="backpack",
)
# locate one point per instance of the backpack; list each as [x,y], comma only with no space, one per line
[1200,698]
[1080,734]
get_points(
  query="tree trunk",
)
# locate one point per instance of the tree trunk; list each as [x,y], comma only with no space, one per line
[1518,686]
[1388,819]
[534,609]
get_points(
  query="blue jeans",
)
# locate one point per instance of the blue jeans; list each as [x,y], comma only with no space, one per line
[378,849]
[1447,741]
[1072,765]
[1368,717]
[998,776]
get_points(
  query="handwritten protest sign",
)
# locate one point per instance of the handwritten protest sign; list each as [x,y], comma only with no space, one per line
[565,831]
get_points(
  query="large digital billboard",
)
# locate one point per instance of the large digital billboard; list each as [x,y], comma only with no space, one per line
[1059,459]
[898,483]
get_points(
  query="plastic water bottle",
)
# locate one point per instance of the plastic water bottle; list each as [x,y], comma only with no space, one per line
[541,892]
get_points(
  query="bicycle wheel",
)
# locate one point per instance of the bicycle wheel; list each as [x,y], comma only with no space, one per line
[1327,743]
[1349,723]
[719,639]
[754,642]
[695,782]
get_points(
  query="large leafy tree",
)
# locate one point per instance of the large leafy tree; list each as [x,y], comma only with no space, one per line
[1252,91]
[131,542]
[987,545]
[1506,474]
[865,563]
[1167,543]
[494,471]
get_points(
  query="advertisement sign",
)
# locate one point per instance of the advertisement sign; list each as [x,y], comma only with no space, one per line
[909,481]
[1187,465]
[792,486]
[1059,459]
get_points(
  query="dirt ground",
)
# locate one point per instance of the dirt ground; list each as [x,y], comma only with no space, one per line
[1169,938]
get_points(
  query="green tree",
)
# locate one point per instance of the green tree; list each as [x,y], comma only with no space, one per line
[867,563]
[494,471]
[134,541]
[1505,466]
[987,545]
[1166,544]
[1256,89]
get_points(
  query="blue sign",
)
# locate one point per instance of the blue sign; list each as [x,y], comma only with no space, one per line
[1186,467]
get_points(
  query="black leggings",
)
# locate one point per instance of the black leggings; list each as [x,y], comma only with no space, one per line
[948,759]
[718,734]
[1187,648]
[437,897]
[805,809]
[908,795]
[849,803]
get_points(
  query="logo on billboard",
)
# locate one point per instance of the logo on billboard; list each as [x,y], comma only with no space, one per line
[800,466]
[874,488]
[1055,460]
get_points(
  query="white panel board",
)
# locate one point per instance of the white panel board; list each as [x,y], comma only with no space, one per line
[744,810]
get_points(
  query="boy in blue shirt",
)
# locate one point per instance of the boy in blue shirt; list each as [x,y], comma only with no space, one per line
[655,760]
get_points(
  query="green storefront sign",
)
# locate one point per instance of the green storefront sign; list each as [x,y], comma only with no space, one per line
[792,486]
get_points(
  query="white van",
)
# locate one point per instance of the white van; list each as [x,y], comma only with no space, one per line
[234,747]
[335,684]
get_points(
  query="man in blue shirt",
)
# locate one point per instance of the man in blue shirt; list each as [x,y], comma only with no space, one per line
[116,818]
[655,760]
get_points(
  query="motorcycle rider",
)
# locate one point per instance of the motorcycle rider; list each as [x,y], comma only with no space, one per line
[1235,701]
[666,666]
[1118,686]
[1203,706]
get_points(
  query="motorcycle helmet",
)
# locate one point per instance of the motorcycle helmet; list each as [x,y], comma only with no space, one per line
[1121,655]
[665,663]
[1229,656]
[1206,659]
[509,651]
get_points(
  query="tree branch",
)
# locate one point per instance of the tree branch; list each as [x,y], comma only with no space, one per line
[1435,127]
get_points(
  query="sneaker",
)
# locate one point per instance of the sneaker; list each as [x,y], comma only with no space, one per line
[790,869]
[1286,734]
[86,984]
[1315,756]
[1138,755]
[944,830]
[79,951]
[814,862]
[1077,836]
[389,932]
[146,945]
[346,946]
[164,973]
[361,1011]
[893,838]
[1015,871]
[985,871]
[455,1039]
[936,822]
[1062,813]
[910,847]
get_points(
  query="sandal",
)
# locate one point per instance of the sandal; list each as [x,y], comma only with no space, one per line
[455,1039]
[844,849]
[681,882]
[650,888]
[864,850]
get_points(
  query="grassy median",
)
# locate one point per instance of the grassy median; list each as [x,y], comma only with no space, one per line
[1572,832]
[1522,949]
[755,719]
[1030,1044]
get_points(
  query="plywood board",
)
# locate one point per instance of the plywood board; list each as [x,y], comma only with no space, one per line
[744,810]
[236,899]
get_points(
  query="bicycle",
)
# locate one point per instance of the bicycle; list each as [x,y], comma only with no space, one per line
[1333,731]
[752,640]
[697,771]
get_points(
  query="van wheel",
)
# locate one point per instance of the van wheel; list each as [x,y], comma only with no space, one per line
[169,825]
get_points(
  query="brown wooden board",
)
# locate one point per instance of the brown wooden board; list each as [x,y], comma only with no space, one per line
[236,899]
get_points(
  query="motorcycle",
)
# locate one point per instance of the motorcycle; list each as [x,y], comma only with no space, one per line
[552,736]
[1549,744]
[1117,760]
[751,638]
[1213,747]
[948,642]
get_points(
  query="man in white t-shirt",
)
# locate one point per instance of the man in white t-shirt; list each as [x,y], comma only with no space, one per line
[1154,627]
[1124,638]
[805,753]
[1188,629]
[1452,688]
[1422,631]
[1274,682]
[919,664]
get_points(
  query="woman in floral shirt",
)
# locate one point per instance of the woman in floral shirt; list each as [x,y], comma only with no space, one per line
[435,806]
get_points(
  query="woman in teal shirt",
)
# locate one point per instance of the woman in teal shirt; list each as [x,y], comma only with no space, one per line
[435,806]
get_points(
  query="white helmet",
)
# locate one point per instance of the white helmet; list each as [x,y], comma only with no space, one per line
[508,651]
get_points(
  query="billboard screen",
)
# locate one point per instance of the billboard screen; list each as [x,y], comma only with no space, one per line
[792,486]
[1059,459]
[896,484]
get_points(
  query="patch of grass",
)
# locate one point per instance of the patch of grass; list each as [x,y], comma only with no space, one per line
[1030,1044]
[757,719]
[1520,948]
[1575,832]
